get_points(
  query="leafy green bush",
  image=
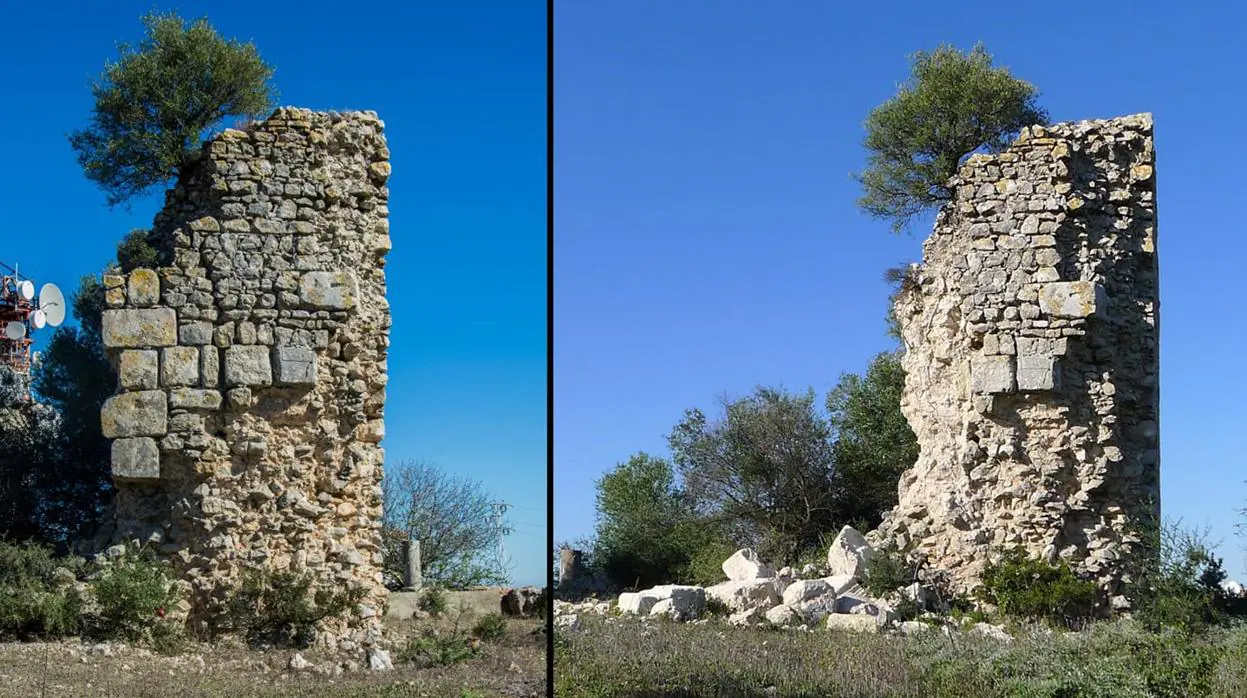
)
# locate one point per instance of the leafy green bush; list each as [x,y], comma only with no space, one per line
[433,601]
[1027,588]
[1179,586]
[37,599]
[886,571]
[280,608]
[490,627]
[132,595]
[441,647]
[705,565]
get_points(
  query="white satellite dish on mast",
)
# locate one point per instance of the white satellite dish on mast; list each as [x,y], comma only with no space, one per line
[52,303]
[14,331]
[38,319]
[26,289]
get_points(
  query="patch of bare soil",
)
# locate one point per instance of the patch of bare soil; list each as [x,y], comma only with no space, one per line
[513,665]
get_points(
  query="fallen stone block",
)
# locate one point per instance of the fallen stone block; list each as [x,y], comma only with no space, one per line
[744,564]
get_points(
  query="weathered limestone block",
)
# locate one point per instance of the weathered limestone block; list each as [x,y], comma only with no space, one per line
[142,413]
[194,399]
[744,564]
[247,366]
[1038,372]
[140,328]
[294,366]
[992,374]
[330,290]
[139,369]
[179,366]
[1071,299]
[144,288]
[114,291]
[210,366]
[135,459]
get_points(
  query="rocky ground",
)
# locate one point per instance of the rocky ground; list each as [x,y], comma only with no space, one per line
[513,665]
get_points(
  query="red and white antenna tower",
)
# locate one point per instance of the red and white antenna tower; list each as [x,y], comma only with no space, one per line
[22,312]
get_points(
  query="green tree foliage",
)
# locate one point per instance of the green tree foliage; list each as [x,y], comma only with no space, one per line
[452,517]
[76,378]
[1178,584]
[766,467]
[29,449]
[647,529]
[873,443]
[155,104]
[139,249]
[953,105]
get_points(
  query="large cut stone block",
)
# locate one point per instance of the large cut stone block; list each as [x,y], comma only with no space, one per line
[248,365]
[193,399]
[1071,299]
[140,328]
[1038,372]
[136,459]
[329,290]
[294,366]
[142,413]
[992,374]
[139,369]
[144,287]
[179,367]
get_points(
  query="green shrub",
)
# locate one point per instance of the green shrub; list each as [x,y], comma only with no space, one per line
[1179,586]
[280,608]
[132,595]
[441,647]
[886,571]
[490,627]
[1027,588]
[37,599]
[433,601]
[705,565]
[716,608]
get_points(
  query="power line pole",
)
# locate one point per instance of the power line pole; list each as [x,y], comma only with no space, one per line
[500,508]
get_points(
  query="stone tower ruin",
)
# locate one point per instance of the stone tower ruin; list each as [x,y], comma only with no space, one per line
[252,369]
[1031,358]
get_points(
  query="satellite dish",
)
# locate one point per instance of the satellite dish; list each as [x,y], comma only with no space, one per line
[38,319]
[14,331]
[26,290]
[52,303]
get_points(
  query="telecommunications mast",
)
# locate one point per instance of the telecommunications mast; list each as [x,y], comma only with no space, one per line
[21,312]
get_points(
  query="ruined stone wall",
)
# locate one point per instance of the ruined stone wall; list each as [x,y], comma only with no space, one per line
[252,370]
[1031,357]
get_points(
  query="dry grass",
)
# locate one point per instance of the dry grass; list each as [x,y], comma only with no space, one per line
[512,665]
[627,658]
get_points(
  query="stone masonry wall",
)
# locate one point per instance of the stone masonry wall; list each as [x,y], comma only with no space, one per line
[1031,357]
[252,370]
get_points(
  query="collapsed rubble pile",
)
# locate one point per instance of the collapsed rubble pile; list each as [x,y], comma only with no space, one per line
[755,594]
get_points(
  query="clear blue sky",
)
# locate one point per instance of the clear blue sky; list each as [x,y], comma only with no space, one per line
[462,90]
[707,239]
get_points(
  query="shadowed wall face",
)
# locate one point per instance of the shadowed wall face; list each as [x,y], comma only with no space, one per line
[1031,332]
[252,371]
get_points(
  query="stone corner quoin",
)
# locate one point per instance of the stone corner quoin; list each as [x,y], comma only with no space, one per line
[1031,360]
[252,368]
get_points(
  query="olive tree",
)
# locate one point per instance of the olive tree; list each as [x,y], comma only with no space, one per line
[954,104]
[158,100]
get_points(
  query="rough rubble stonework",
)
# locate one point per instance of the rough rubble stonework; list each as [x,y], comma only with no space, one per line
[1031,357]
[252,371]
